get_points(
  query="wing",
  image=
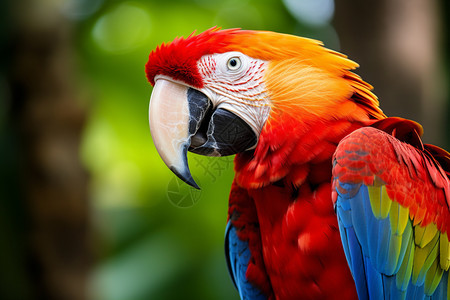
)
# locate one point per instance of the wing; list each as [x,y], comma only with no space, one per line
[392,203]
[238,257]
[239,232]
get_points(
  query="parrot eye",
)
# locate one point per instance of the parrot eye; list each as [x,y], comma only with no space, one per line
[234,63]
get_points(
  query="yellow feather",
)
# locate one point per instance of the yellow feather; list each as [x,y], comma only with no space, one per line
[404,273]
[374,197]
[385,203]
[433,277]
[379,201]
[424,234]
[398,217]
[423,259]
[444,251]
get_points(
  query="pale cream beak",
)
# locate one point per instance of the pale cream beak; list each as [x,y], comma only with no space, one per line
[169,125]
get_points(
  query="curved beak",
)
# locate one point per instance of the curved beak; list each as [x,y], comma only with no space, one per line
[169,118]
[182,118]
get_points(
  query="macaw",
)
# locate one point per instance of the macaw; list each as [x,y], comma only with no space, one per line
[331,199]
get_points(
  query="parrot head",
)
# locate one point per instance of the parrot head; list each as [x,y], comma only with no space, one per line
[216,92]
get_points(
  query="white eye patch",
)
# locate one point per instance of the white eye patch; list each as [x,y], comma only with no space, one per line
[235,82]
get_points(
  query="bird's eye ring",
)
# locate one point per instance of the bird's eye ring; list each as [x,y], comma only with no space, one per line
[234,63]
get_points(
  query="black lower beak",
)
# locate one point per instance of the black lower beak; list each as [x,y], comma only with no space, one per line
[226,134]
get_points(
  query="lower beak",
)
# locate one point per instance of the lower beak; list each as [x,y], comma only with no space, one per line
[182,118]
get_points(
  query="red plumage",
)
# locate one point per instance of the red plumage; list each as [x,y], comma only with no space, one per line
[298,230]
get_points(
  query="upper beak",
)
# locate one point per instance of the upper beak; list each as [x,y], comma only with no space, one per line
[169,117]
[182,118]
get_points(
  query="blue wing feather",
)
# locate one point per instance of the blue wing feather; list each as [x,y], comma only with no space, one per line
[238,257]
[366,244]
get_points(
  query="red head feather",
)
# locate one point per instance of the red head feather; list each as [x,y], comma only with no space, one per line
[178,59]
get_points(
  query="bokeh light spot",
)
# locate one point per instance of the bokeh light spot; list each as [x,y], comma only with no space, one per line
[122,29]
[80,9]
[311,12]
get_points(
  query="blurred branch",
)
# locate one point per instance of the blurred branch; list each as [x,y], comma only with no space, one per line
[49,120]
[397,42]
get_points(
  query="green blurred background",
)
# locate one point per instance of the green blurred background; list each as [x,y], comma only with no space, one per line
[88,210]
